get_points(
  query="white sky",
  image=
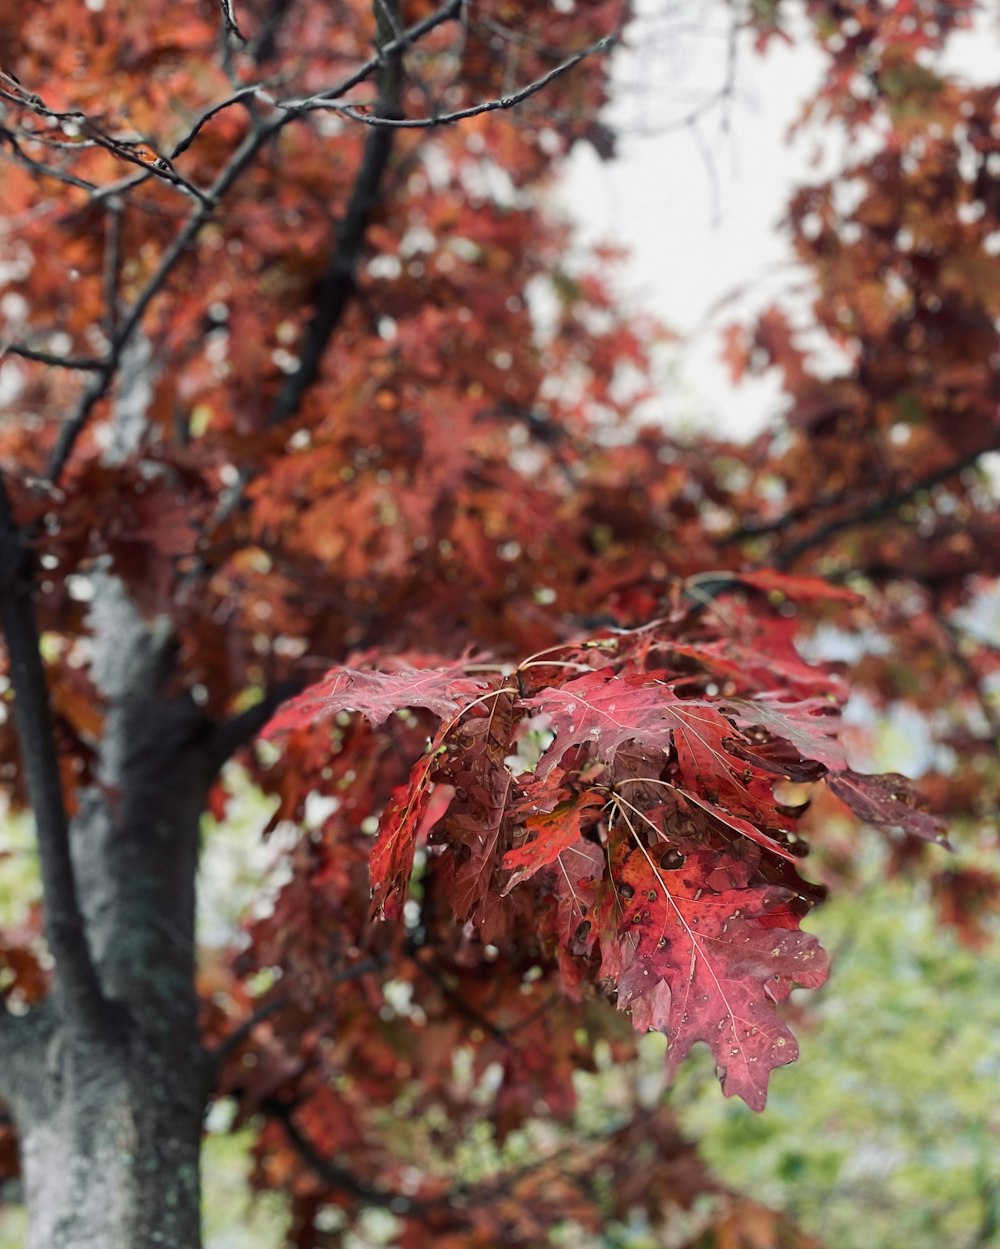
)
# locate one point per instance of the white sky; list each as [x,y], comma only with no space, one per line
[699,206]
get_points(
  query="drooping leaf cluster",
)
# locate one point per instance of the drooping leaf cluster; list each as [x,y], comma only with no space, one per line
[630,779]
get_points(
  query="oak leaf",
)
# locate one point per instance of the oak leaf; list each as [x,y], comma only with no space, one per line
[701,964]
[376,695]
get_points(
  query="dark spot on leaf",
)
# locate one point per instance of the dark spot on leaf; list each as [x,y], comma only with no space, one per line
[671,859]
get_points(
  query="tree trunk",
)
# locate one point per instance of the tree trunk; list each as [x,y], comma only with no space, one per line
[110,1149]
[110,1127]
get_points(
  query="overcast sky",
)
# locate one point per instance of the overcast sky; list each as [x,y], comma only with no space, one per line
[699,205]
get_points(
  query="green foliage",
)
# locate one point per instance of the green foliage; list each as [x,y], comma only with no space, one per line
[885,1134]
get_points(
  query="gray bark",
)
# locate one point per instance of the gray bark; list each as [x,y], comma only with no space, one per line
[110,1124]
[109,1147]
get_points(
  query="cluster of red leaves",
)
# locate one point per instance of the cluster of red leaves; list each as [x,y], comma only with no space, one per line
[603,820]
[617,796]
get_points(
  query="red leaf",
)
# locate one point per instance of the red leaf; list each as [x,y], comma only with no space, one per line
[739,797]
[474,828]
[701,964]
[887,799]
[607,709]
[410,813]
[738,825]
[376,695]
[810,725]
[613,709]
[552,833]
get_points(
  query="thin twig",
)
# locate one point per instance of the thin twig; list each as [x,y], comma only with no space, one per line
[331,1173]
[229,1044]
[233,31]
[463,1194]
[238,97]
[151,161]
[870,511]
[882,506]
[338,282]
[84,363]
[452,995]
[229,735]
[113,213]
[474,110]
[39,167]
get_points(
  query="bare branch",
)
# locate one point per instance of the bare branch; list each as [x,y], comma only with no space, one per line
[135,153]
[449,11]
[463,1193]
[75,976]
[229,1044]
[338,283]
[238,97]
[747,532]
[331,1173]
[868,509]
[84,363]
[380,121]
[114,211]
[46,171]
[69,433]
[229,735]
[233,31]
[98,387]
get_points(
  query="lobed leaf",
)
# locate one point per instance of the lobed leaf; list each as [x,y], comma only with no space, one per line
[376,695]
[704,963]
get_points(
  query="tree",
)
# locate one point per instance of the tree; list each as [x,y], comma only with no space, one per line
[285,416]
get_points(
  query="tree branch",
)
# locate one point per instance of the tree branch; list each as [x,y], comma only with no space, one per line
[464,1192]
[337,284]
[242,1032]
[85,363]
[328,1171]
[75,976]
[229,735]
[237,164]
[871,510]
[379,121]
[233,31]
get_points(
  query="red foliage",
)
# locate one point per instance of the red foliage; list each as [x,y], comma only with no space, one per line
[676,915]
